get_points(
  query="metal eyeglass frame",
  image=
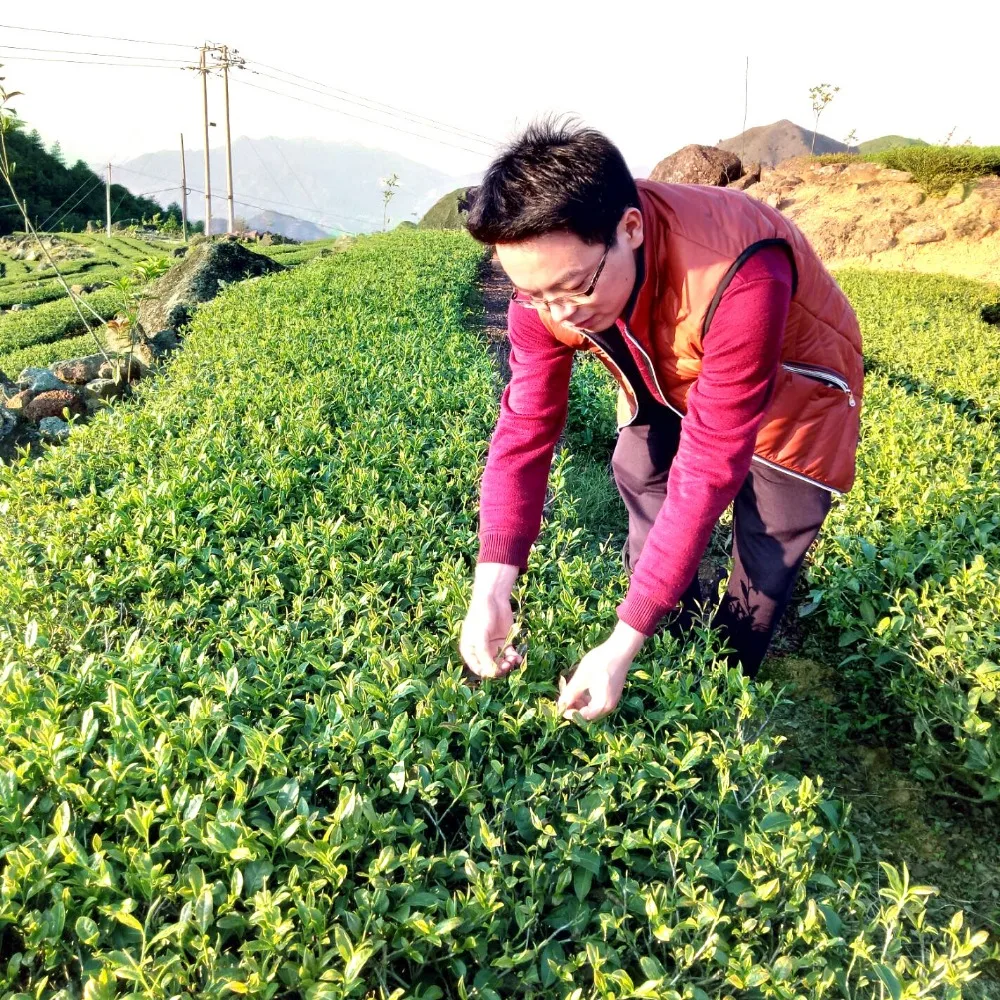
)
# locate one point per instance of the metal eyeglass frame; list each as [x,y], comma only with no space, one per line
[543,304]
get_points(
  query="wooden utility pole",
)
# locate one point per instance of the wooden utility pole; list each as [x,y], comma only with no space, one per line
[229,144]
[203,68]
[107,200]
[184,194]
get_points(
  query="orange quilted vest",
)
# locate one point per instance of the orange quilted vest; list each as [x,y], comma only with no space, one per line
[695,237]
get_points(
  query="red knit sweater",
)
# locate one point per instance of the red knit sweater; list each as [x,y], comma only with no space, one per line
[725,406]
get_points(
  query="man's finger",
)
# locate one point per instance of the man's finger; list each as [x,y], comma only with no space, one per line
[572,694]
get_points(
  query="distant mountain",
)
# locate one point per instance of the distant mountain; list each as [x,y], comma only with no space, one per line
[334,185]
[888,142]
[770,144]
[275,222]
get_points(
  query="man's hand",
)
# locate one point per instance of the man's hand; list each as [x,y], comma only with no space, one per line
[484,642]
[597,683]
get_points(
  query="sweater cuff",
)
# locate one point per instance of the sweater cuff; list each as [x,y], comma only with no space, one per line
[504,547]
[642,612]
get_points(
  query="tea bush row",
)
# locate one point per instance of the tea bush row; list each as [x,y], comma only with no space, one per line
[240,754]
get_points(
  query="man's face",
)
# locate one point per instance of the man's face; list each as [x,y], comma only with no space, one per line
[556,265]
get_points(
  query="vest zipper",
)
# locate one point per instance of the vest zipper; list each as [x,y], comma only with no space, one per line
[796,475]
[652,370]
[822,375]
[600,350]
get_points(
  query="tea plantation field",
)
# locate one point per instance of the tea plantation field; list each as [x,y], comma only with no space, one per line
[241,757]
[51,329]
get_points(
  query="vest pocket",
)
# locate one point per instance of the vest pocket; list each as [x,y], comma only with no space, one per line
[811,427]
[822,375]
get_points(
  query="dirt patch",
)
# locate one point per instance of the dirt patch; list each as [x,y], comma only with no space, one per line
[865,215]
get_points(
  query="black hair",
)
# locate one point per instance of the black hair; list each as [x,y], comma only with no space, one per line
[555,177]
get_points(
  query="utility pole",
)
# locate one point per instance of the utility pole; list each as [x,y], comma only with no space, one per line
[107,200]
[184,194]
[203,68]
[229,144]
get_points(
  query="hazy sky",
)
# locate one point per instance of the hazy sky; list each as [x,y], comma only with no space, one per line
[653,76]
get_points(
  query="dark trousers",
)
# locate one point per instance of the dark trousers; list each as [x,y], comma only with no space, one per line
[776,517]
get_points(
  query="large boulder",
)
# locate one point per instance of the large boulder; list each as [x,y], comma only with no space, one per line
[171,301]
[78,371]
[696,164]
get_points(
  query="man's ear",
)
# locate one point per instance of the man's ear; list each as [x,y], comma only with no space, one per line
[633,227]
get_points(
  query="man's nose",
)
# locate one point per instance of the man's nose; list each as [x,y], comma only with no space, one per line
[562,311]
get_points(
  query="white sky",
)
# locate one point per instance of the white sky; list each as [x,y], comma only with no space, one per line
[652,76]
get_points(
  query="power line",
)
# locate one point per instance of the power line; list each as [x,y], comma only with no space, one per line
[294,173]
[373,105]
[102,55]
[90,62]
[339,111]
[107,38]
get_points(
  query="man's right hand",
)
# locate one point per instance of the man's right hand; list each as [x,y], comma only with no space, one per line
[488,622]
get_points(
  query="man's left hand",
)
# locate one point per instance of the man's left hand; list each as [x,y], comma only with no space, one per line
[597,683]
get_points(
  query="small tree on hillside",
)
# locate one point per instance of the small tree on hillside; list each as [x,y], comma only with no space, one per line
[821,96]
[389,185]
[850,139]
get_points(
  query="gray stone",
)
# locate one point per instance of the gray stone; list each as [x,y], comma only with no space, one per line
[104,388]
[53,429]
[18,307]
[39,380]
[172,299]
[8,423]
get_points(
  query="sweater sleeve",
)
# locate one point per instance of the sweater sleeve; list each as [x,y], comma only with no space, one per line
[533,409]
[726,404]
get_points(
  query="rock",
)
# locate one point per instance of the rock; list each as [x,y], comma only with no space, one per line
[955,196]
[752,176]
[105,388]
[53,429]
[52,404]
[7,387]
[8,423]
[830,168]
[696,164]
[78,371]
[921,232]
[878,239]
[900,176]
[773,199]
[171,300]
[20,400]
[39,379]
[18,307]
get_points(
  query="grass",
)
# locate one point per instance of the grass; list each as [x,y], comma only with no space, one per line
[935,168]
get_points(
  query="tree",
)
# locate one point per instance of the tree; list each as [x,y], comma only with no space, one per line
[389,185]
[821,96]
[56,153]
[850,139]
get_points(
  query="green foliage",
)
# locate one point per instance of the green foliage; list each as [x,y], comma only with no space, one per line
[935,168]
[908,566]
[444,213]
[239,753]
[54,320]
[61,197]
[884,142]
[43,355]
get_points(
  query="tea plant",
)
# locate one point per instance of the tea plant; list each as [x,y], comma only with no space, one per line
[241,755]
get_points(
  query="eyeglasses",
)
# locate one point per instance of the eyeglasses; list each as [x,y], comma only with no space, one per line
[529,302]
